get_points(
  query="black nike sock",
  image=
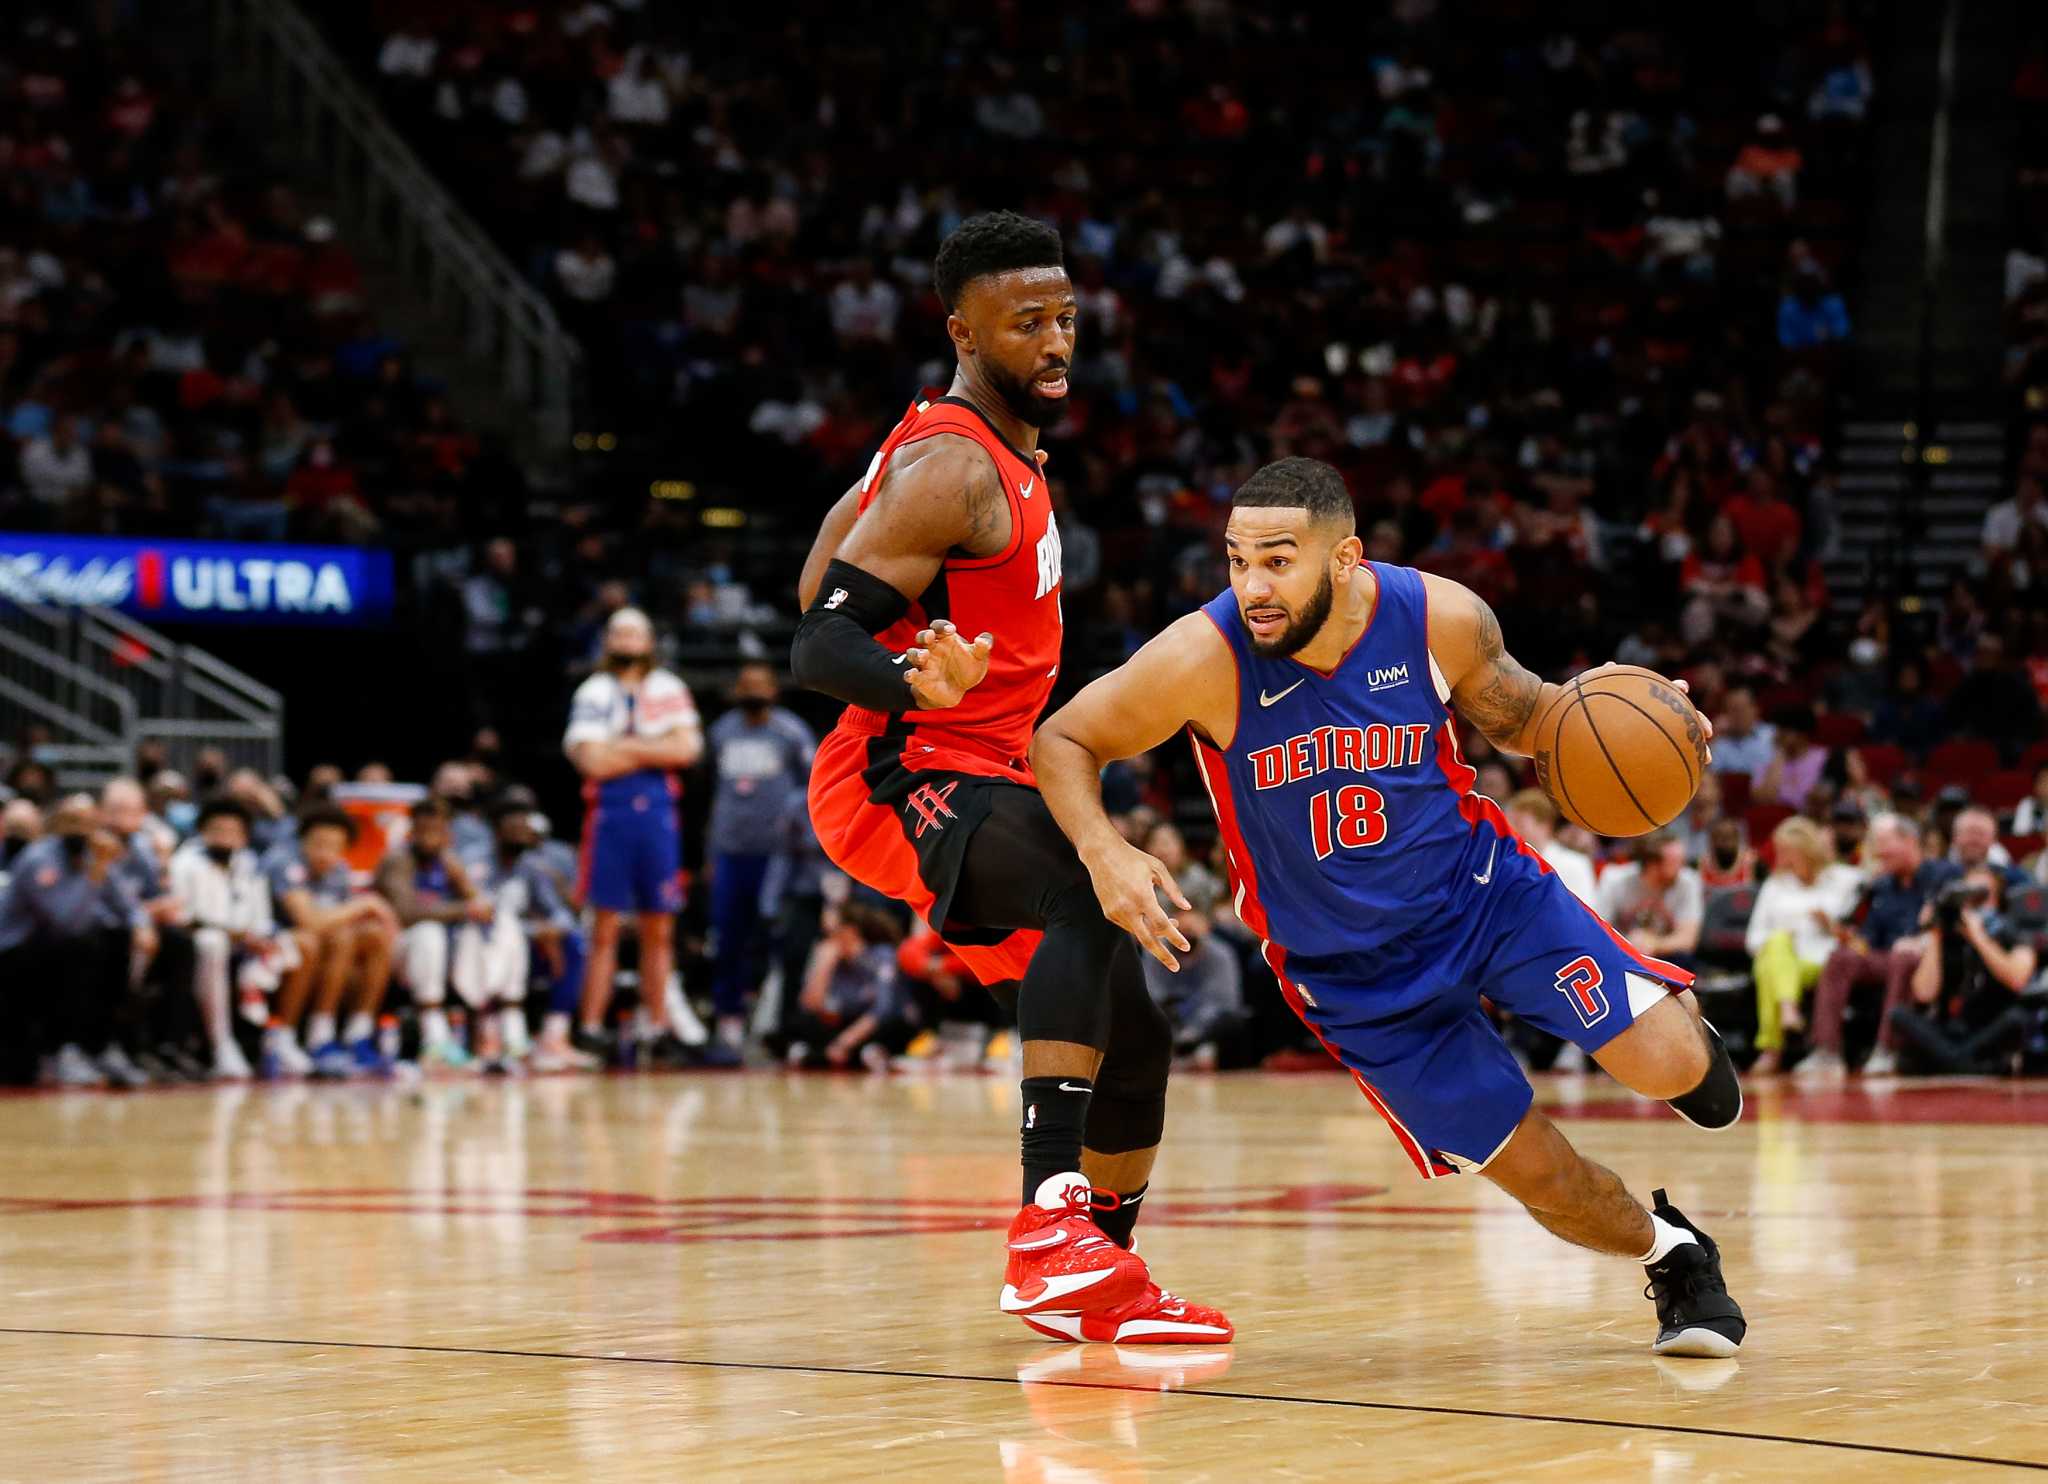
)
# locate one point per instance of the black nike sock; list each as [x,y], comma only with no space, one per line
[1117,1224]
[1055,1112]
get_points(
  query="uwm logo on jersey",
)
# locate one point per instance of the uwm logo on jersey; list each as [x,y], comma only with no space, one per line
[1048,557]
[1347,749]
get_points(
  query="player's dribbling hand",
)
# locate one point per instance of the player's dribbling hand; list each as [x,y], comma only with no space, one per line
[1706,721]
[944,667]
[1128,884]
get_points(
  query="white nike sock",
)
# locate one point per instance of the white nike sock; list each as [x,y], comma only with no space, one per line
[1664,1237]
[434,1026]
[280,1035]
[360,1027]
[319,1029]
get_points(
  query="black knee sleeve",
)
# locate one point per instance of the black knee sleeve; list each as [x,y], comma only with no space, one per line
[1717,1101]
[1062,997]
[1129,1109]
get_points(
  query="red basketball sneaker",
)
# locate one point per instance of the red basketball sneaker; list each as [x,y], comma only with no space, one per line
[1154,1317]
[1059,1258]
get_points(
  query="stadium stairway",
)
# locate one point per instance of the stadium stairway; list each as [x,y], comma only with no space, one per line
[1911,507]
[1924,456]
[101,684]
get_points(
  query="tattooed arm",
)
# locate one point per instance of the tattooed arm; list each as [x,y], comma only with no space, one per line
[1488,685]
[938,496]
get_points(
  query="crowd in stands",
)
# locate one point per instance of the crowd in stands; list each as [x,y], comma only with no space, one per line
[1843,897]
[186,349]
[1565,308]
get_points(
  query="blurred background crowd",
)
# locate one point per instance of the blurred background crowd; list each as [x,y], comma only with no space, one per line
[1570,300]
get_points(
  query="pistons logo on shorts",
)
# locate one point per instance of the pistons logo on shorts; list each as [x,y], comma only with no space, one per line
[929,805]
[1579,982]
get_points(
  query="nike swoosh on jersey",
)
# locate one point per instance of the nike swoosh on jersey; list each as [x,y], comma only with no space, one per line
[1266,700]
[1024,489]
[1056,1287]
[1484,879]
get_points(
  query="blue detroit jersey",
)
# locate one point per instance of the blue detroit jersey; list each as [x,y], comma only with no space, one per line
[1344,792]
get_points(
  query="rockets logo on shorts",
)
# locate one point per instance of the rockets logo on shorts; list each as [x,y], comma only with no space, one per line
[930,806]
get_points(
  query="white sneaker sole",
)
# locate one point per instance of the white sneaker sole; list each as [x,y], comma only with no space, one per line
[1067,1327]
[1057,1290]
[1696,1343]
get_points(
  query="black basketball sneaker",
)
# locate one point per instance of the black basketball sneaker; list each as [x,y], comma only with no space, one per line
[1695,1316]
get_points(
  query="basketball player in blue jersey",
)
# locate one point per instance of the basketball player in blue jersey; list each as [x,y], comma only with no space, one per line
[1388,895]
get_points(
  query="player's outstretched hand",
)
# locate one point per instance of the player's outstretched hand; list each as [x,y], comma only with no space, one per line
[1128,884]
[944,667]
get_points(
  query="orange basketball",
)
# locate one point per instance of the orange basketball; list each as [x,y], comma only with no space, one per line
[1621,751]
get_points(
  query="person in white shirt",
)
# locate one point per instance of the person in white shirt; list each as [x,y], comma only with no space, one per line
[632,727]
[226,898]
[1657,901]
[1534,818]
[2004,521]
[1791,930]
[56,465]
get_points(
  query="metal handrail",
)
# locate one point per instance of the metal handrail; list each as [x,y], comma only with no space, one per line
[286,63]
[239,691]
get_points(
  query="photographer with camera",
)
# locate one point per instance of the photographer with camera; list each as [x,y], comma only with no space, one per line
[1966,1015]
[67,930]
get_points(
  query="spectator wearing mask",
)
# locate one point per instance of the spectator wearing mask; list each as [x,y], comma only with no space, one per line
[1534,818]
[1742,743]
[524,892]
[455,788]
[632,727]
[1727,861]
[1882,949]
[1791,931]
[347,938]
[226,902]
[1656,900]
[761,756]
[441,937]
[67,929]
[851,1010]
[1204,1000]
[1965,1016]
[1796,762]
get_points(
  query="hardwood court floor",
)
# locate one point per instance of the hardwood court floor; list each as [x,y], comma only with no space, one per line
[763,1277]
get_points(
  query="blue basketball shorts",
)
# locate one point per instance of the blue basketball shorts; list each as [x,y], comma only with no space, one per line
[632,857]
[1411,1031]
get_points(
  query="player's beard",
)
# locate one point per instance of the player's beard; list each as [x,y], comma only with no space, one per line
[626,666]
[1021,395]
[1306,625]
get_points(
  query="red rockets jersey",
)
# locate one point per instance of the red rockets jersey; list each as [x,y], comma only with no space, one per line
[1013,595]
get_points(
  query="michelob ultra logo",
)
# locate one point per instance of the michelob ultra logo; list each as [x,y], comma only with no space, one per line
[199,581]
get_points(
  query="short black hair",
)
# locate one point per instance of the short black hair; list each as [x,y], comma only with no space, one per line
[430,808]
[1298,483]
[993,242]
[328,816]
[218,806]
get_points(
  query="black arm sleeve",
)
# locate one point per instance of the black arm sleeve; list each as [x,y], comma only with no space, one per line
[835,652]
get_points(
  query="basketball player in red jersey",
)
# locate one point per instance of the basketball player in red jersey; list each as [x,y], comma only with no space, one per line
[923,790]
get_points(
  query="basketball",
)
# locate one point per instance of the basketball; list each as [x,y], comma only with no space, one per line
[1621,751]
